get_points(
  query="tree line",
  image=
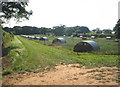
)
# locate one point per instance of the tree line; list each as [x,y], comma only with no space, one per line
[56,30]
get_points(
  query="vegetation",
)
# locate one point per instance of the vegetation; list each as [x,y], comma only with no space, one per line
[117,29]
[10,10]
[14,10]
[27,55]
[7,37]
[56,30]
[107,47]
[32,56]
[61,30]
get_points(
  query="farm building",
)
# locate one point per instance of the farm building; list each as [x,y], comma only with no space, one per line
[43,38]
[81,36]
[92,37]
[84,38]
[37,38]
[108,38]
[27,36]
[59,40]
[86,46]
[32,37]
[116,40]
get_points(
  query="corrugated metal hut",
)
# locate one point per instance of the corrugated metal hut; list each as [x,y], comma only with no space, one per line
[84,38]
[86,46]
[31,37]
[59,40]
[81,36]
[37,38]
[27,36]
[43,38]
[92,37]
[108,38]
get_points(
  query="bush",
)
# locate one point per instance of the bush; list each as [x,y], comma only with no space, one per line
[7,72]
[7,37]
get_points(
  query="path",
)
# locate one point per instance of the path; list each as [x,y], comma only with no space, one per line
[67,75]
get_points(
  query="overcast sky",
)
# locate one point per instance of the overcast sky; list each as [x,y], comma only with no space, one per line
[91,13]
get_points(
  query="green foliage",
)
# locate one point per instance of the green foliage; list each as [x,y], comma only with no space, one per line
[7,37]
[76,30]
[28,30]
[56,30]
[117,29]
[107,31]
[9,30]
[15,9]
[7,72]
[97,30]
[59,30]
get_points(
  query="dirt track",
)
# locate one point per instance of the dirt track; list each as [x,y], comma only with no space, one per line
[70,74]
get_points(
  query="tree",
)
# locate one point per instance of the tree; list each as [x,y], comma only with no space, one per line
[82,29]
[107,31]
[11,10]
[97,30]
[14,10]
[59,30]
[117,29]
[69,31]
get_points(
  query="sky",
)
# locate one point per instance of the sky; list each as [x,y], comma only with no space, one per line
[94,14]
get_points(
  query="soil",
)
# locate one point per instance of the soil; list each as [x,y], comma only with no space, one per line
[72,74]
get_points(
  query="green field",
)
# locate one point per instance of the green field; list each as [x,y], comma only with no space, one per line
[107,47]
[32,55]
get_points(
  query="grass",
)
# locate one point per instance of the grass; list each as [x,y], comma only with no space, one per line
[107,47]
[97,60]
[28,55]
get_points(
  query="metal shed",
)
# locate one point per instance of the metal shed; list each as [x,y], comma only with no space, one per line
[32,37]
[43,38]
[92,37]
[84,38]
[59,40]
[37,38]
[86,46]
[108,38]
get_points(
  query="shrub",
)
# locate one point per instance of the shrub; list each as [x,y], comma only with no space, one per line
[7,37]
[7,72]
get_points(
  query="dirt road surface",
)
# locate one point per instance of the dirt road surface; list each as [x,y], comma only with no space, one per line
[71,74]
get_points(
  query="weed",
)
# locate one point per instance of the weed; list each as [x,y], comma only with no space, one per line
[93,71]
[21,72]
[7,72]
[100,75]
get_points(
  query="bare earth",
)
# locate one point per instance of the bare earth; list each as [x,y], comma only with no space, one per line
[71,74]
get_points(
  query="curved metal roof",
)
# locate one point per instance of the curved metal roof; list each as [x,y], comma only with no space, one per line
[93,44]
[44,38]
[61,40]
[37,37]
[86,46]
